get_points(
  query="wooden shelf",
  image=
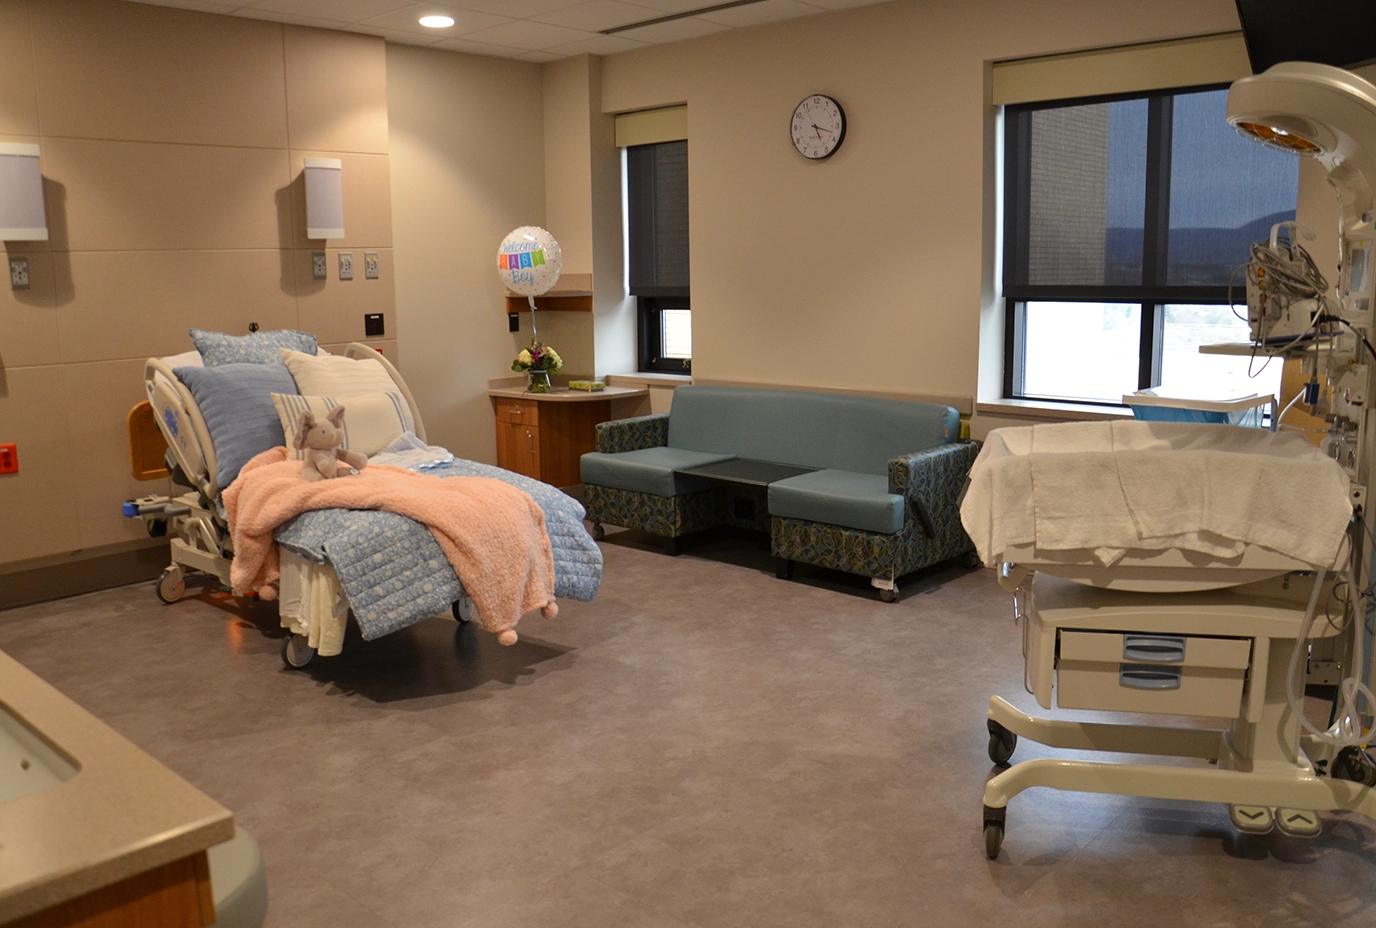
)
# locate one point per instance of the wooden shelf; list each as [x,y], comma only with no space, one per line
[572,294]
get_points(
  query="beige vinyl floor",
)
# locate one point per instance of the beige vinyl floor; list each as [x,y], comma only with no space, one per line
[703,745]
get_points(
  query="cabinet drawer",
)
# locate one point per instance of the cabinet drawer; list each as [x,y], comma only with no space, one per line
[518,412]
[1174,675]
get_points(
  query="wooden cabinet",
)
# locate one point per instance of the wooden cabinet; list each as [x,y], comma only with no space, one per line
[545,438]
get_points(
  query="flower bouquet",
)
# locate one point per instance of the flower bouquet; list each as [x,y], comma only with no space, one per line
[538,361]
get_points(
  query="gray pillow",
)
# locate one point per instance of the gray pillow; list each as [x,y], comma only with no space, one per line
[217,348]
[236,403]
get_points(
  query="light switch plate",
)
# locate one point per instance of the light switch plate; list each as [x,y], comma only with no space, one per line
[19,273]
[318,271]
[370,265]
[346,265]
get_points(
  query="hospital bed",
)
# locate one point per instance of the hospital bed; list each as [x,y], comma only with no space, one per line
[313,599]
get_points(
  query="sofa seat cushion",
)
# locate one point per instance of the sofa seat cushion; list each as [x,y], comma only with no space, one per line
[839,497]
[648,470]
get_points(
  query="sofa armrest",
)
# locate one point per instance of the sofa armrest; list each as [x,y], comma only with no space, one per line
[932,481]
[633,434]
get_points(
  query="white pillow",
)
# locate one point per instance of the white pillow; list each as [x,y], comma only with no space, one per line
[372,421]
[335,376]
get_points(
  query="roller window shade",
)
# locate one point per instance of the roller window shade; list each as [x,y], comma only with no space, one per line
[657,208]
[1200,61]
[648,127]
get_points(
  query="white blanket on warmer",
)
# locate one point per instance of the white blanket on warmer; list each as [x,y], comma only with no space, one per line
[1110,487]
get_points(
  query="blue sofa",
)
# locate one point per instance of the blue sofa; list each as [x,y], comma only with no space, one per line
[883,502]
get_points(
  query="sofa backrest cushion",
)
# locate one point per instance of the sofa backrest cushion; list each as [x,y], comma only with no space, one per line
[829,430]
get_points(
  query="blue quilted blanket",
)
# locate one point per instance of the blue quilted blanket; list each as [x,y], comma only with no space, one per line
[393,571]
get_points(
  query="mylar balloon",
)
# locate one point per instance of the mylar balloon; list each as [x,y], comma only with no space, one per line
[529,261]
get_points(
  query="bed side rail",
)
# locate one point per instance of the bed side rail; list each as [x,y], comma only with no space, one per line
[180,421]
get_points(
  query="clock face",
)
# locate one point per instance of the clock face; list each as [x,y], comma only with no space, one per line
[818,127]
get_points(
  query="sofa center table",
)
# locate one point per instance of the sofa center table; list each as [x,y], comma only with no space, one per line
[746,471]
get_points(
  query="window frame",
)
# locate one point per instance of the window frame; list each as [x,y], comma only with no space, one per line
[1152,294]
[650,335]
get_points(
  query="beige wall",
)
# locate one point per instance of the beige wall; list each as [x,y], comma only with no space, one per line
[172,145]
[869,270]
[467,160]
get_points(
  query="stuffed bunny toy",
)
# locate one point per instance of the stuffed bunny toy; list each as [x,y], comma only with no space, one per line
[323,441]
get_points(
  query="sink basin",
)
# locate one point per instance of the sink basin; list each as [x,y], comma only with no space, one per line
[28,763]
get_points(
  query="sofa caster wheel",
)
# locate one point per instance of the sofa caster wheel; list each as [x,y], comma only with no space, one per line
[171,586]
[889,596]
[994,821]
[598,532]
[296,653]
[970,560]
[1002,743]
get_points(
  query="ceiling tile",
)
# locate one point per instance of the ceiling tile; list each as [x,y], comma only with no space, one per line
[407,19]
[598,15]
[666,7]
[756,14]
[289,18]
[519,9]
[479,48]
[345,11]
[597,45]
[538,57]
[394,35]
[203,6]
[530,35]
[675,30]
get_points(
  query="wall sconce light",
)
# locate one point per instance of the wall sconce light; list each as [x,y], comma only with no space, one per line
[324,198]
[22,216]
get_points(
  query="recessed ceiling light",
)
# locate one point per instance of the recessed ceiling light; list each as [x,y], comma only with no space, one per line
[437,22]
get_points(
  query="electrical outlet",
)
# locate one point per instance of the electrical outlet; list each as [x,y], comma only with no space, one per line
[373,325]
[318,271]
[9,459]
[19,273]
[346,265]
[370,265]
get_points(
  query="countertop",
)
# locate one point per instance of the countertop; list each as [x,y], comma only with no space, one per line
[565,395]
[123,813]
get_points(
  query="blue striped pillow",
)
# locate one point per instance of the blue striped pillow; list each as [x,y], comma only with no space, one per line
[236,403]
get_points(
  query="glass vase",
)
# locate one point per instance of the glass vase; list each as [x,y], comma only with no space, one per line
[539,382]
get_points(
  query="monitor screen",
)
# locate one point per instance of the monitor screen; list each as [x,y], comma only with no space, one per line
[1336,32]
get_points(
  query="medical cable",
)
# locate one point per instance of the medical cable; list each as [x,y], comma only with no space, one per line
[1347,731]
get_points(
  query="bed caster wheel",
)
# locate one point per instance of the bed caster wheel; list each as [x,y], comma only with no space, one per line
[171,586]
[970,560]
[1353,764]
[157,528]
[993,831]
[598,532]
[889,596]
[1002,743]
[463,610]
[296,653]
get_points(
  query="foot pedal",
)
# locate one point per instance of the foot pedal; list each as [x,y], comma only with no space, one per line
[1254,820]
[1298,823]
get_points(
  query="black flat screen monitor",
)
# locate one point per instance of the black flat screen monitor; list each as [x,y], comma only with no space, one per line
[1336,32]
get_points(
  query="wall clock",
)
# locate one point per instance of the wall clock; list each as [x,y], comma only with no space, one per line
[818,127]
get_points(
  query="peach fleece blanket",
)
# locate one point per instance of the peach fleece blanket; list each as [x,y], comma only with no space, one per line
[492,533]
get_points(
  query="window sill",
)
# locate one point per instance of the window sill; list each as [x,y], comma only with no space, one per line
[1040,409]
[649,379]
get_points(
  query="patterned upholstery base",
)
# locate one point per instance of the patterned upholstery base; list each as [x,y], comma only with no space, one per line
[670,516]
[868,554]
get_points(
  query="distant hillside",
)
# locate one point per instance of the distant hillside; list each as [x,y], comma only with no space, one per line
[1213,253]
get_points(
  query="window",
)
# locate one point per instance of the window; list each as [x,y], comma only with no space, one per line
[657,235]
[1125,219]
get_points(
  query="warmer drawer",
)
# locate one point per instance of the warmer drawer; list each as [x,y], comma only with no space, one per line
[1170,674]
[518,412]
